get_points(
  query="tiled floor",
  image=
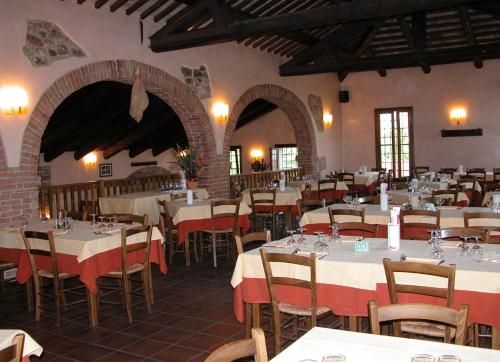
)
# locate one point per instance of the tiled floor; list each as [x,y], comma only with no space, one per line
[192,315]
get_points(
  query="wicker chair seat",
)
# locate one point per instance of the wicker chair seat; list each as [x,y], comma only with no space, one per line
[301,311]
[130,270]
[426,329]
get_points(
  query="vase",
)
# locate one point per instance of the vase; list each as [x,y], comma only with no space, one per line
[192,184]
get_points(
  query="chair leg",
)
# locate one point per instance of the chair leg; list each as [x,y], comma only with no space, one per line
[128,299]
[38,307]
[186,251]
[248,320]
[214,249]
[277,333]
[57,300]
[29,294]
[147,290]
[63,295]
[171,251]
[195,249]
[150,282]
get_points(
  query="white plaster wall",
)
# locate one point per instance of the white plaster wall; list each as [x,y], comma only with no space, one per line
[431,96]
[263,133]
[233,68]
[65,170]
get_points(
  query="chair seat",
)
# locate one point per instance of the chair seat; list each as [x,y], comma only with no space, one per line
[426,329]
[47,274]
[6,265]
[306,312]
[130,270]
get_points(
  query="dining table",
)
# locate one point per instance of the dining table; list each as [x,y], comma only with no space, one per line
[362,347]
[451,216]
[30,346]
[347,279]
[413,198]
[140,203]
[194,217]
[458,174]
[84,250]
[340,191]
[286,199]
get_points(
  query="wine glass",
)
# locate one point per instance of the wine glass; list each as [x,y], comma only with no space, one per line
[25,222]
[291,242]
[335,232]
[301,240]
[477,249]
[347,199]
[319,245]
[333,358]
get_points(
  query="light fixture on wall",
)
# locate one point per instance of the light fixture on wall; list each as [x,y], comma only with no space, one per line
[13,101]
[327,119]
[90,160]
[220,111]
[458,115]
[258,163]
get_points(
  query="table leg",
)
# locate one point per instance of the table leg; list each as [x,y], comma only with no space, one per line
[353,323]
[495,338]
[255,315]
[92,303]
[186,250]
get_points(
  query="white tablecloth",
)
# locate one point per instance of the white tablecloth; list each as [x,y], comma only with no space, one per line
[181,211]
[288,197]
[30,347]
[403,196]
[140,203]
[363,347]
[341,186]
[366,178]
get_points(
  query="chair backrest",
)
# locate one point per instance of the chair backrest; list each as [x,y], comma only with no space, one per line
[33,241]
[366,230]
[78,215]
[128,218]
[447,170]
[495,186]
[219,210]
[496,175]
[306,194]
[255,346]
[478,173]
[457,319]
[419,219]
[242,240]
[456,233]
[266,197]
[166,222]
[449,196]
[446,173]
[130,244]
[438,271]
[346,212]
[348,178]
[482,220]
[178,195]
[304,206]
[327,186]
[378,169]
[273,281]
[419,170]
[14,352]
[372,200]
[381,176]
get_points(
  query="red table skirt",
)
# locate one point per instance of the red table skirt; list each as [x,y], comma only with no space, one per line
[328,195]
[277,208]
[190,226]
[347,301]
[91,268]
[9,255]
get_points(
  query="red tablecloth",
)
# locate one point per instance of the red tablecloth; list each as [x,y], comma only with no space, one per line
[91,268]
[190,226]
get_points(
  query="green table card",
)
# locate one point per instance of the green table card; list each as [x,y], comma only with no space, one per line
[361,245]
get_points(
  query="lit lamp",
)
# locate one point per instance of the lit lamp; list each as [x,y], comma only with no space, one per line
[90,160]
[220,111]
[13,101]
[327,119]
[258,160]
[458,115]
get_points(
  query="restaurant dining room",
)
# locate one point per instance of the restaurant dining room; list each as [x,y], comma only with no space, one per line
[250,180]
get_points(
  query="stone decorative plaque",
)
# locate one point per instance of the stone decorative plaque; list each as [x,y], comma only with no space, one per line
[46,42]
[198,80]
[316,107]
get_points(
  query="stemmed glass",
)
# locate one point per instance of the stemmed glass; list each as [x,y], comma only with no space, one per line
[476,249]
[301,240]
[335,232]
[25,222]
[464,248]
[347,199]
[319,245]
[439,201]
[291,242]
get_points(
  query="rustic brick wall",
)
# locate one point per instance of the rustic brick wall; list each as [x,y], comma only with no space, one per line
[19,186]
[44,173]
[297,113]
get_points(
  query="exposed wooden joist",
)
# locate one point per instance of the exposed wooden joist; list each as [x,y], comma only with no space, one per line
[152,8]
[100,3]
[469,34]
[116,5]
[170,141]
[412,41]
[132,8]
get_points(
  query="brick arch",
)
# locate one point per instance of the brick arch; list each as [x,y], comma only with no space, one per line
[178,95]
[3,156]
[296,112]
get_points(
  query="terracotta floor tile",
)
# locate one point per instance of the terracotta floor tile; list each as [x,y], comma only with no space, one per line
[142,329]
[171,335]
[145,347]
[176,354]
[202,341]
[89,352]
[222,330]
[193,324]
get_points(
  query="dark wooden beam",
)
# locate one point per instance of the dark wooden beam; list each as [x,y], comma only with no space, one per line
[469,34]
[170,140]
[100,3]
[98,141]
[80,2]
[491,7]
[435,57]
[152,8]
[255,110]
[132,8]
[116,5]
[408,33]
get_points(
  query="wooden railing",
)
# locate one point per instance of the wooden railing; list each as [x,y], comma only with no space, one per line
[260,179]
[85,196]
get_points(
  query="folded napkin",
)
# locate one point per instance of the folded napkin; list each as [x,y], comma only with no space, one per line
[277,244]
[450,244]
[349,238]
[59,232]
[423,260]
[319,254]
[492,257]
[9,229]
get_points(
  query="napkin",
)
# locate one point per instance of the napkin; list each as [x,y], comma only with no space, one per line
[189,197]
[58,232]
[492,257]
[319,254]
[450,244]
[349,238]
[423,260]
[277,244]
[9,229]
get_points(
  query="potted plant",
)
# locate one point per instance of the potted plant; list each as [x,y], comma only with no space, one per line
[190,162]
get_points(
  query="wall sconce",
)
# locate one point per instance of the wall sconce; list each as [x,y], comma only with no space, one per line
[458,115]
[327,119]
[256,154]
[258,163]
[13,101]
[90,160]
[220,111]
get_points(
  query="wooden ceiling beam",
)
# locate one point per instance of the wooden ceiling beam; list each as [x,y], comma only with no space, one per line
[99,3]
[409,34]
[170,141]
[152,8]
[116,5]
[469,34]
[132,8]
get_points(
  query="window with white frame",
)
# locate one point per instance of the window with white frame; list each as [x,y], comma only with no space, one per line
[235,160]
[284,157]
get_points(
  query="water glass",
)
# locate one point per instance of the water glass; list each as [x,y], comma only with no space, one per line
[333,358]
[423,358]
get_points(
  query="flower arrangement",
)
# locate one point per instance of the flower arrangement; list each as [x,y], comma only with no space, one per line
[189,161]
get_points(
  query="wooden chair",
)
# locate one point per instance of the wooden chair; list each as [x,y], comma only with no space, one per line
[349,181]
[457,232]
[346,212]
[311,314]
[178,196]
[4,265]
[478,220]
[418,219]
[443,316]
[420,170]
[14,352]
[241,241]
[438,271]
[445,172]
[370,200]
[129,245]
[45,247]
[306,194]
[496,175]
[263,219]
[255,346]
[326,187]
[222,237]
[359,229]
[304,206]
[378,169]
[450,197]
[127,218]
[78,215]
[478,173]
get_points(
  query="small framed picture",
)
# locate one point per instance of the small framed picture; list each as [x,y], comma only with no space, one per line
[105,169]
